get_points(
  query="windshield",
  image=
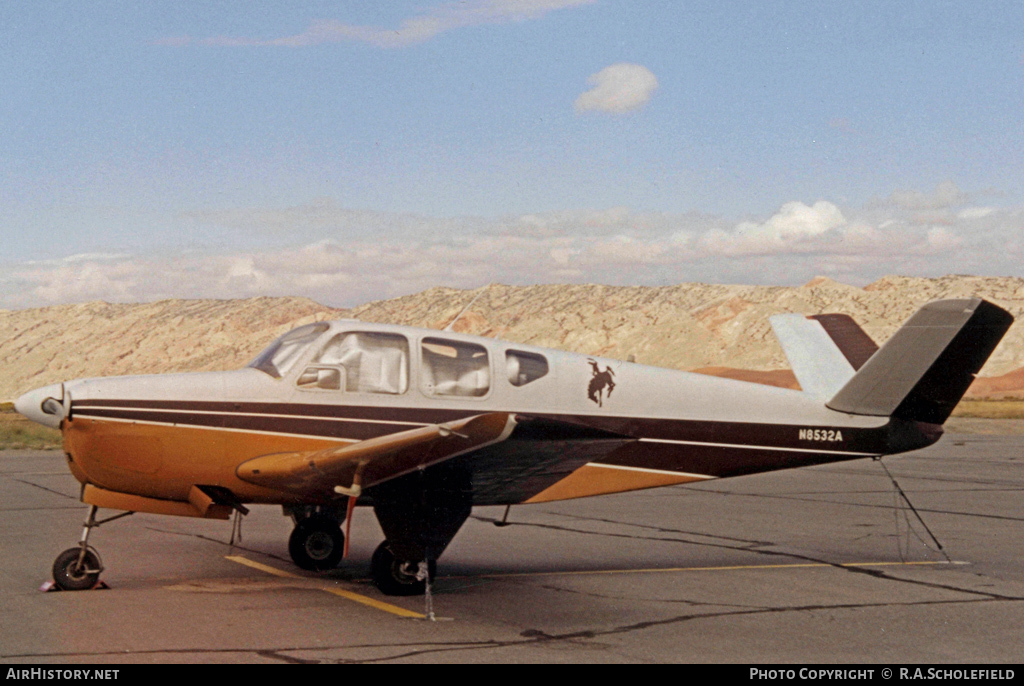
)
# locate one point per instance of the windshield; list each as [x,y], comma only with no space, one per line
[282,354]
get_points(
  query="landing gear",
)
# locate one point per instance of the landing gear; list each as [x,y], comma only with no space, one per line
[317,543]
[419,514]
[78,569]
[395,576]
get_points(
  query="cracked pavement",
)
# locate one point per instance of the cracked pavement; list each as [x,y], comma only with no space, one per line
[814,565]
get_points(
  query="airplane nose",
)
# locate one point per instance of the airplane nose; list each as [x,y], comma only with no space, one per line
[43,405]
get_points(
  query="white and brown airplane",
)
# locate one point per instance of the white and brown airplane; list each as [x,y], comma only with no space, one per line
[424,424]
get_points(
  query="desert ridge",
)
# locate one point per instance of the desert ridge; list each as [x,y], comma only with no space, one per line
[709,328]
[45,345]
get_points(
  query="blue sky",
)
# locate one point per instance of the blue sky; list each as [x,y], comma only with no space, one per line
[349,151]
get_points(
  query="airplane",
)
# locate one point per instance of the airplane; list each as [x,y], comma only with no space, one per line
[422,425]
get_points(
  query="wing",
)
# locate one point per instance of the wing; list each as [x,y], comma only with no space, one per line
[366,463]
[541,452]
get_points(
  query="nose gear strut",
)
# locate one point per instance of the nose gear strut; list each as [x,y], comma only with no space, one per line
[78,568]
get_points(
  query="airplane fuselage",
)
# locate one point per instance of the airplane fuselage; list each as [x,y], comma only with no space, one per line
[157,436]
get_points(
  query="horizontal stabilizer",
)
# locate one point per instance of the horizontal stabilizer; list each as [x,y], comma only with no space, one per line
[819,365]
[921,373]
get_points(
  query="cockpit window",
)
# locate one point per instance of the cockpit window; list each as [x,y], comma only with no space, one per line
[368,362]
[282,354]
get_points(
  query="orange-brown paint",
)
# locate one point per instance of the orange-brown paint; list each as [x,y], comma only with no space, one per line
[165,462]
[113,500]
[593,479]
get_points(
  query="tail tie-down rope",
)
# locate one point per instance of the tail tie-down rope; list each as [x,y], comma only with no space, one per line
[900,494]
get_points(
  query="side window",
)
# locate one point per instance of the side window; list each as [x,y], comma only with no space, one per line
[453,368]
[361,362]
[522,368]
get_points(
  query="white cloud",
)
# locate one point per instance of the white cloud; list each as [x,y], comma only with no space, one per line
[796,227]
[618,89]
[795,221]
[83,257]
[395,254]
[975,212]
[412,30]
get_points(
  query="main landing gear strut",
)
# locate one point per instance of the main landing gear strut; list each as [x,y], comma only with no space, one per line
[317,544]
[78,568]
[419,513]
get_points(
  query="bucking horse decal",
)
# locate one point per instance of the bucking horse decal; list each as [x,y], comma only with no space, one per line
[602,381]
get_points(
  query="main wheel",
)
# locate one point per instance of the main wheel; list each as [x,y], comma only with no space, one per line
[70,576]
[317,543]
[398,577]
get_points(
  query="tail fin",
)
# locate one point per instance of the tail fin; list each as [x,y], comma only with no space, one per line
[855,345]
[824,350]
[921,373]
[818,364]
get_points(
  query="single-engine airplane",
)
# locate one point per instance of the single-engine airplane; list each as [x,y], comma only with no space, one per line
[422,425]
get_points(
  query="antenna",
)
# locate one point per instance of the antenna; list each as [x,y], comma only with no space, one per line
[452,322]
[508,322]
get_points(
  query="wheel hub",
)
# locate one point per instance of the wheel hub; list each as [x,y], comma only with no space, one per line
[76,571]
[319,545]
[405,571]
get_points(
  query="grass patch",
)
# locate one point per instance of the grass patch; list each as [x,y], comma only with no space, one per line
[18,433]
[991,409]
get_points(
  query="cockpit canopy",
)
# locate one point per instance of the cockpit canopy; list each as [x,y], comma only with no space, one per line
[280,356]
[366,361]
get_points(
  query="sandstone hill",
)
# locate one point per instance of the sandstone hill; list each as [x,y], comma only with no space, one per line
[50,344]
[718,329]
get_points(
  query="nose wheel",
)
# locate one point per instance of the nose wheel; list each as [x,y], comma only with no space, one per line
[78,568]
[317,543]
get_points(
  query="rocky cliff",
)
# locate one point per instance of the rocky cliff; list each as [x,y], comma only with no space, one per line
[50,344]
[718,329]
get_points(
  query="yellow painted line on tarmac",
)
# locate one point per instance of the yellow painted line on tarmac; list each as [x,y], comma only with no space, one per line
[380,605]
[262,567]
[665,570]
[364,600]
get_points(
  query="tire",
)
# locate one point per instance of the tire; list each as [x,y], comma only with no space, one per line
[317,544]
[398,577]
[69,577]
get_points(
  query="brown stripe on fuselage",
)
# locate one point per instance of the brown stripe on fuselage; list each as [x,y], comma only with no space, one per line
[338,420]
[872,441]
[719,460]
[340,428]
[365,412]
